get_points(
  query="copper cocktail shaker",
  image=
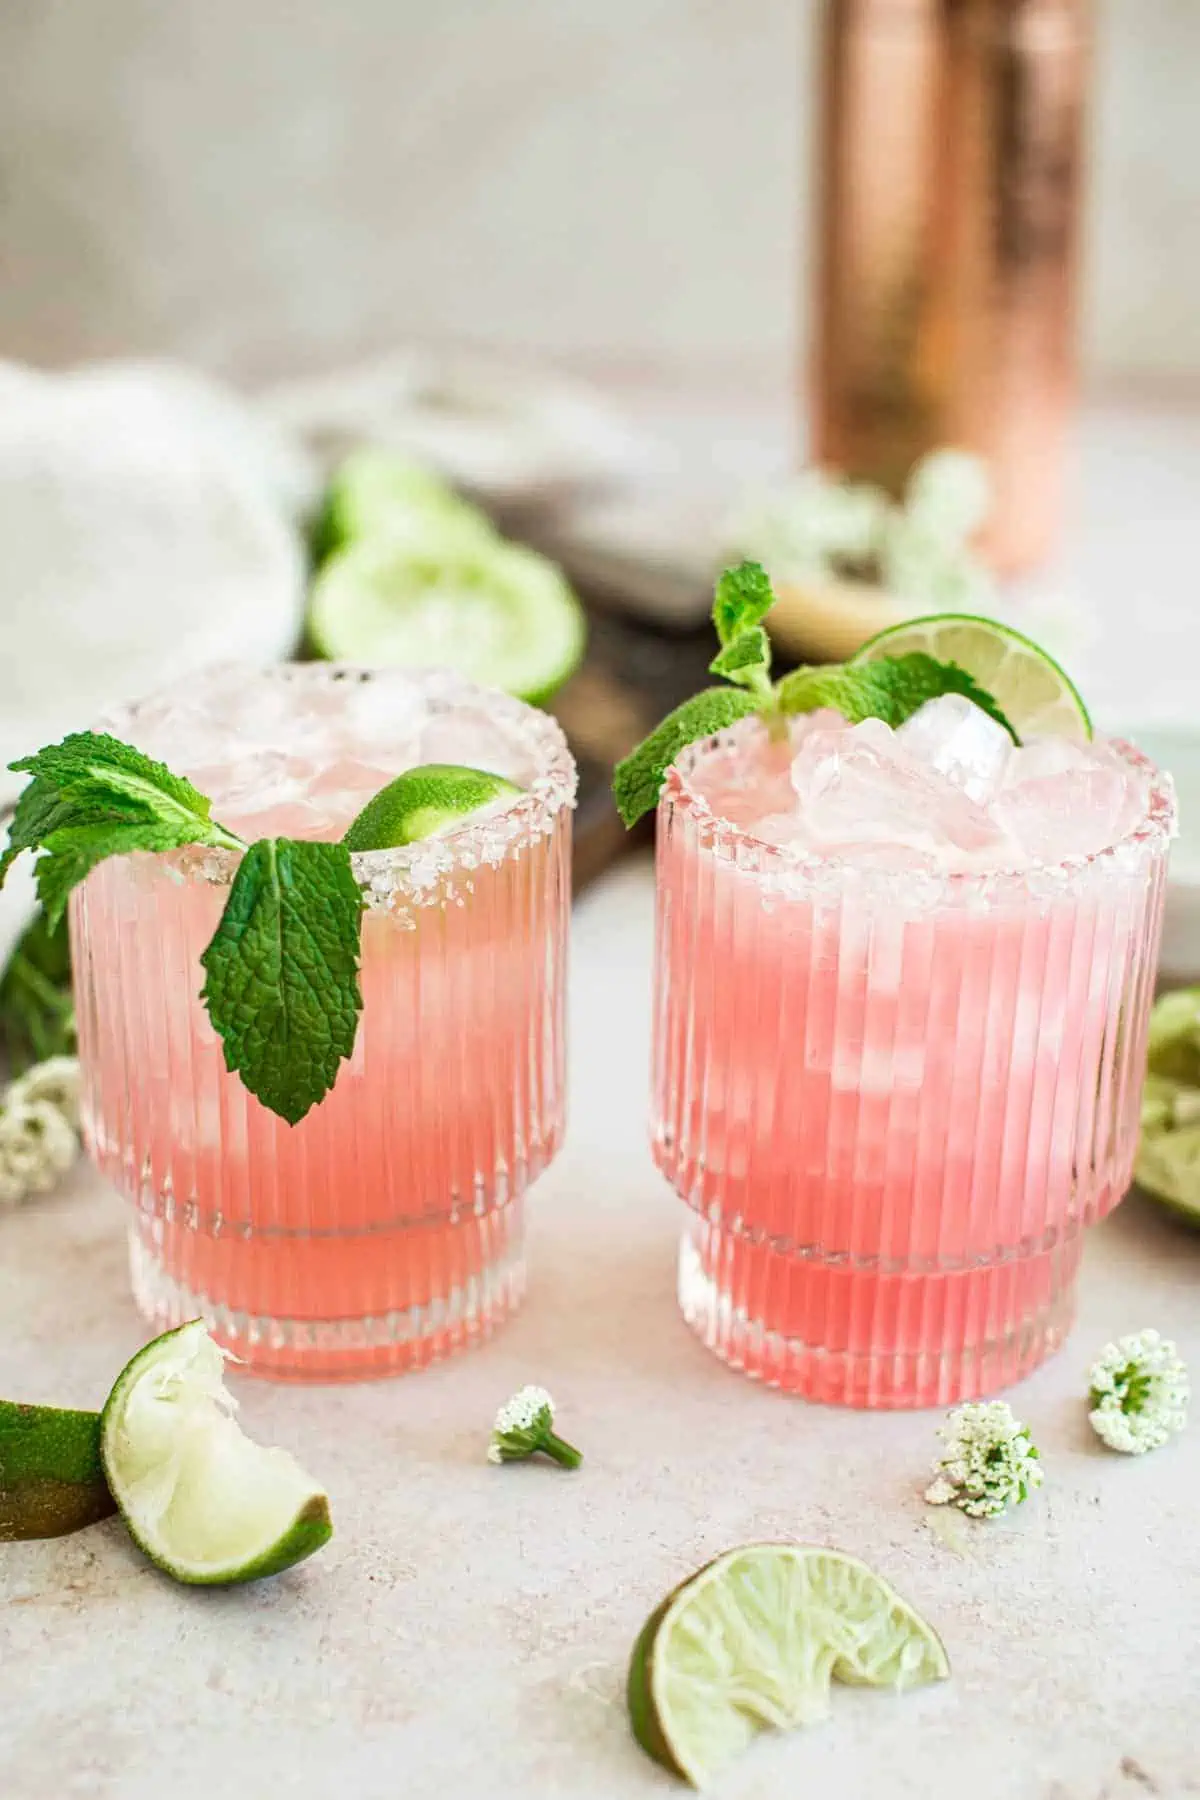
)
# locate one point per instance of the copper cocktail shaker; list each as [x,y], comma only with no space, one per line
[950,187]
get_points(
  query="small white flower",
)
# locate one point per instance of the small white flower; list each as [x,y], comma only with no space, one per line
[524,1426]
[1138,1393]
[989,1462]
[36,1146]
[521,1412]
[56,1081]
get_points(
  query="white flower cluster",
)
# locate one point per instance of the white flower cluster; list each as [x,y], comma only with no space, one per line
[989,1462]
[821,528]
[519,1422]
[39,1122]
[1139,1393]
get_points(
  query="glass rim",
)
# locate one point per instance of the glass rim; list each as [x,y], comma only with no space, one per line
[795,869]
[416,868]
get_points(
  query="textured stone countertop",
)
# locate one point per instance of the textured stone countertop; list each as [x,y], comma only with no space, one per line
[464,1637]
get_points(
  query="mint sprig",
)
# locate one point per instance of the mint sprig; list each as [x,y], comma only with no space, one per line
[888,688]
[282,972]
[638,780]
[93,796]
[282,969]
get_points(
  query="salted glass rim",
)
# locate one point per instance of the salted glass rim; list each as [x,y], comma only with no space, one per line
[420,866]
[797,869]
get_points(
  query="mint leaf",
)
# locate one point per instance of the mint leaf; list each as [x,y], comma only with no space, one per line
[281,972]
[743,599]
[746,660]
[37,1014]
[891,688]
[638,779]
[93,796]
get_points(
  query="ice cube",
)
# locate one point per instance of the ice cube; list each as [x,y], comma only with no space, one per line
[954,736]
[863,787]
[1060,799]
[383,717]
[475,742]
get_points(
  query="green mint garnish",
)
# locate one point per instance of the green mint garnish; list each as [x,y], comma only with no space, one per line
[638,780]
[889,688]
[743,598]
[37,1009]
[282,971]
[93,796]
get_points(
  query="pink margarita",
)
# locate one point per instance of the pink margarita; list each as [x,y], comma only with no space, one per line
[386,1228]
[902,990]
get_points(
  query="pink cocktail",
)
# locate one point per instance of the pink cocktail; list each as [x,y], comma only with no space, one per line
[896,1076]
[386,1228]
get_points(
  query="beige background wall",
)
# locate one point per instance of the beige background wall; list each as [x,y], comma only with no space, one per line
[266,184]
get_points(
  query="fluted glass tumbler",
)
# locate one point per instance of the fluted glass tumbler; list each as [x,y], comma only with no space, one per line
[386,1228]
[894,1100]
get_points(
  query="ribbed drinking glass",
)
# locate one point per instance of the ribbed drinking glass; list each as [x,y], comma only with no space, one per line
[893,1099]
[386,1228]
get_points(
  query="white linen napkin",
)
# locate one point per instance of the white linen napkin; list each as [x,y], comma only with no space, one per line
[148,525]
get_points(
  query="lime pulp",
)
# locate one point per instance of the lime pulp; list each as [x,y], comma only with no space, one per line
[204,1503]
[753,1641]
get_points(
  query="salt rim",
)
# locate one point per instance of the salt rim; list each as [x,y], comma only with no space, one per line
[412,871]
[795,872]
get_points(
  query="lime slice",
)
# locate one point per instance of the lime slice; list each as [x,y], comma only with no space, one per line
[205,1504]
[51,1476]
[422,802]
[1027,685]
[502,615]
[752,1642]
[376,493]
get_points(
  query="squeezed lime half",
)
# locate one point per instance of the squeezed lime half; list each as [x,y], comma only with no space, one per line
[752,1642]
[203,1502]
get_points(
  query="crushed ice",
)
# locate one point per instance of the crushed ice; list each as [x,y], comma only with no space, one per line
[948,791]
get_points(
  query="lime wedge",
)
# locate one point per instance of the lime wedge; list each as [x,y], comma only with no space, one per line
[205,1504]
[376,493]
[51,1476]
[422,802]
[752,1642]
[1027,685]
[502,615]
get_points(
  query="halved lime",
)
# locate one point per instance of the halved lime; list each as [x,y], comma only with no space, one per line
[499,613]
[1028,686]
[376,493]
[423,802]
[51,1476]
[206,1504]
[752,1642]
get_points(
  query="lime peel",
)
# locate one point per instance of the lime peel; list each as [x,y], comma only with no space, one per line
[753,1641]
[206,1505]
[424,801]
[51,1474]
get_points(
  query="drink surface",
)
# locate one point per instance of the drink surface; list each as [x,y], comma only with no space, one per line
[903,982]
[386,1227]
